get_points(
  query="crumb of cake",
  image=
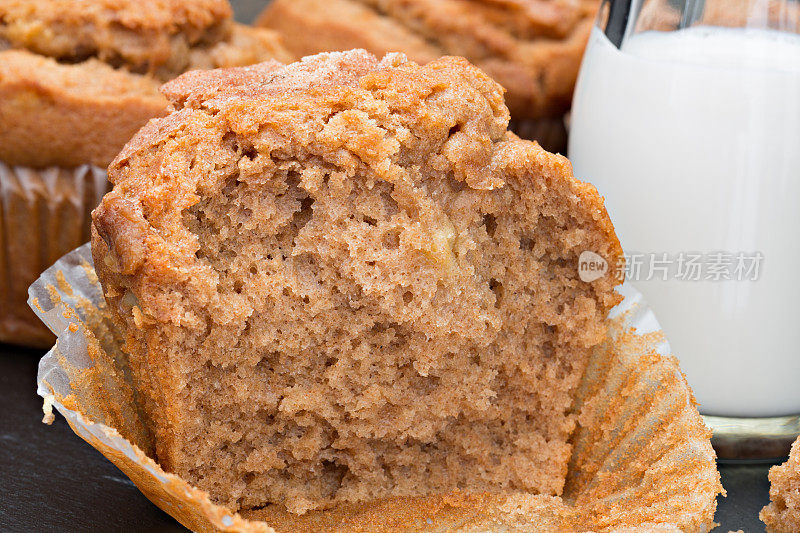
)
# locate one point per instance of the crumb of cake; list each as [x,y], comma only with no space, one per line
[344,279]
[782,515]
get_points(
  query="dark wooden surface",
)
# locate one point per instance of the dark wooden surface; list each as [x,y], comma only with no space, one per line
[51,480]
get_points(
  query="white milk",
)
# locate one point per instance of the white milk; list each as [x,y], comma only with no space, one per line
[693,137]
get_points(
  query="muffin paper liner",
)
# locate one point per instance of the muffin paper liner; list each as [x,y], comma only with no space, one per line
[642,457]
[44,213]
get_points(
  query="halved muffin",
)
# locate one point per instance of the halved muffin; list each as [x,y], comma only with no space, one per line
[76,82]
[344,279]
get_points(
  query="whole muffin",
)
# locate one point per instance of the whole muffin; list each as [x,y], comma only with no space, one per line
[77,80]
[344,279]
[533,48]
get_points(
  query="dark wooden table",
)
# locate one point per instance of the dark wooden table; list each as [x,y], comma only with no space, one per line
[51,480]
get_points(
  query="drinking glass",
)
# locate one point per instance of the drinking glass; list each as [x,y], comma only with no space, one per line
[686,117]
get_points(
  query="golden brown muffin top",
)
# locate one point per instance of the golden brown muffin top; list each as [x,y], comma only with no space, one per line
[243,98]
[531,47]
[82,77]
[69,115]
[34,69]
[143,35]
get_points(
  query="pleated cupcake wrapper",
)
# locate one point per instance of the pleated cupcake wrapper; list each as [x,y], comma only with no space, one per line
[642,458]
[44,214]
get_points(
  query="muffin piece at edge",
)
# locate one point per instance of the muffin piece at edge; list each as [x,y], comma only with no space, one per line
[782,515]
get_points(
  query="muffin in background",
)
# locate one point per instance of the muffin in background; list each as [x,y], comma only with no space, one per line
[532,48]
[76,82]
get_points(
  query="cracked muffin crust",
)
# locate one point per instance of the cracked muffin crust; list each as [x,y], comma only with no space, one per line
[77,80]
[344,279]
[143,36]
[64,65]
[65,115]
[533,48]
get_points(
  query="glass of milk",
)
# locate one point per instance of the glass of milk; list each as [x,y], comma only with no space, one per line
[686,117]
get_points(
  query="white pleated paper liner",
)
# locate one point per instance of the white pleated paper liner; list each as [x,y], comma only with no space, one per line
[642,458]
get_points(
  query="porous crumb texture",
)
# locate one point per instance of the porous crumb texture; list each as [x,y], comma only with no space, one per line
[343,280]
[532,48]
[782,515]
